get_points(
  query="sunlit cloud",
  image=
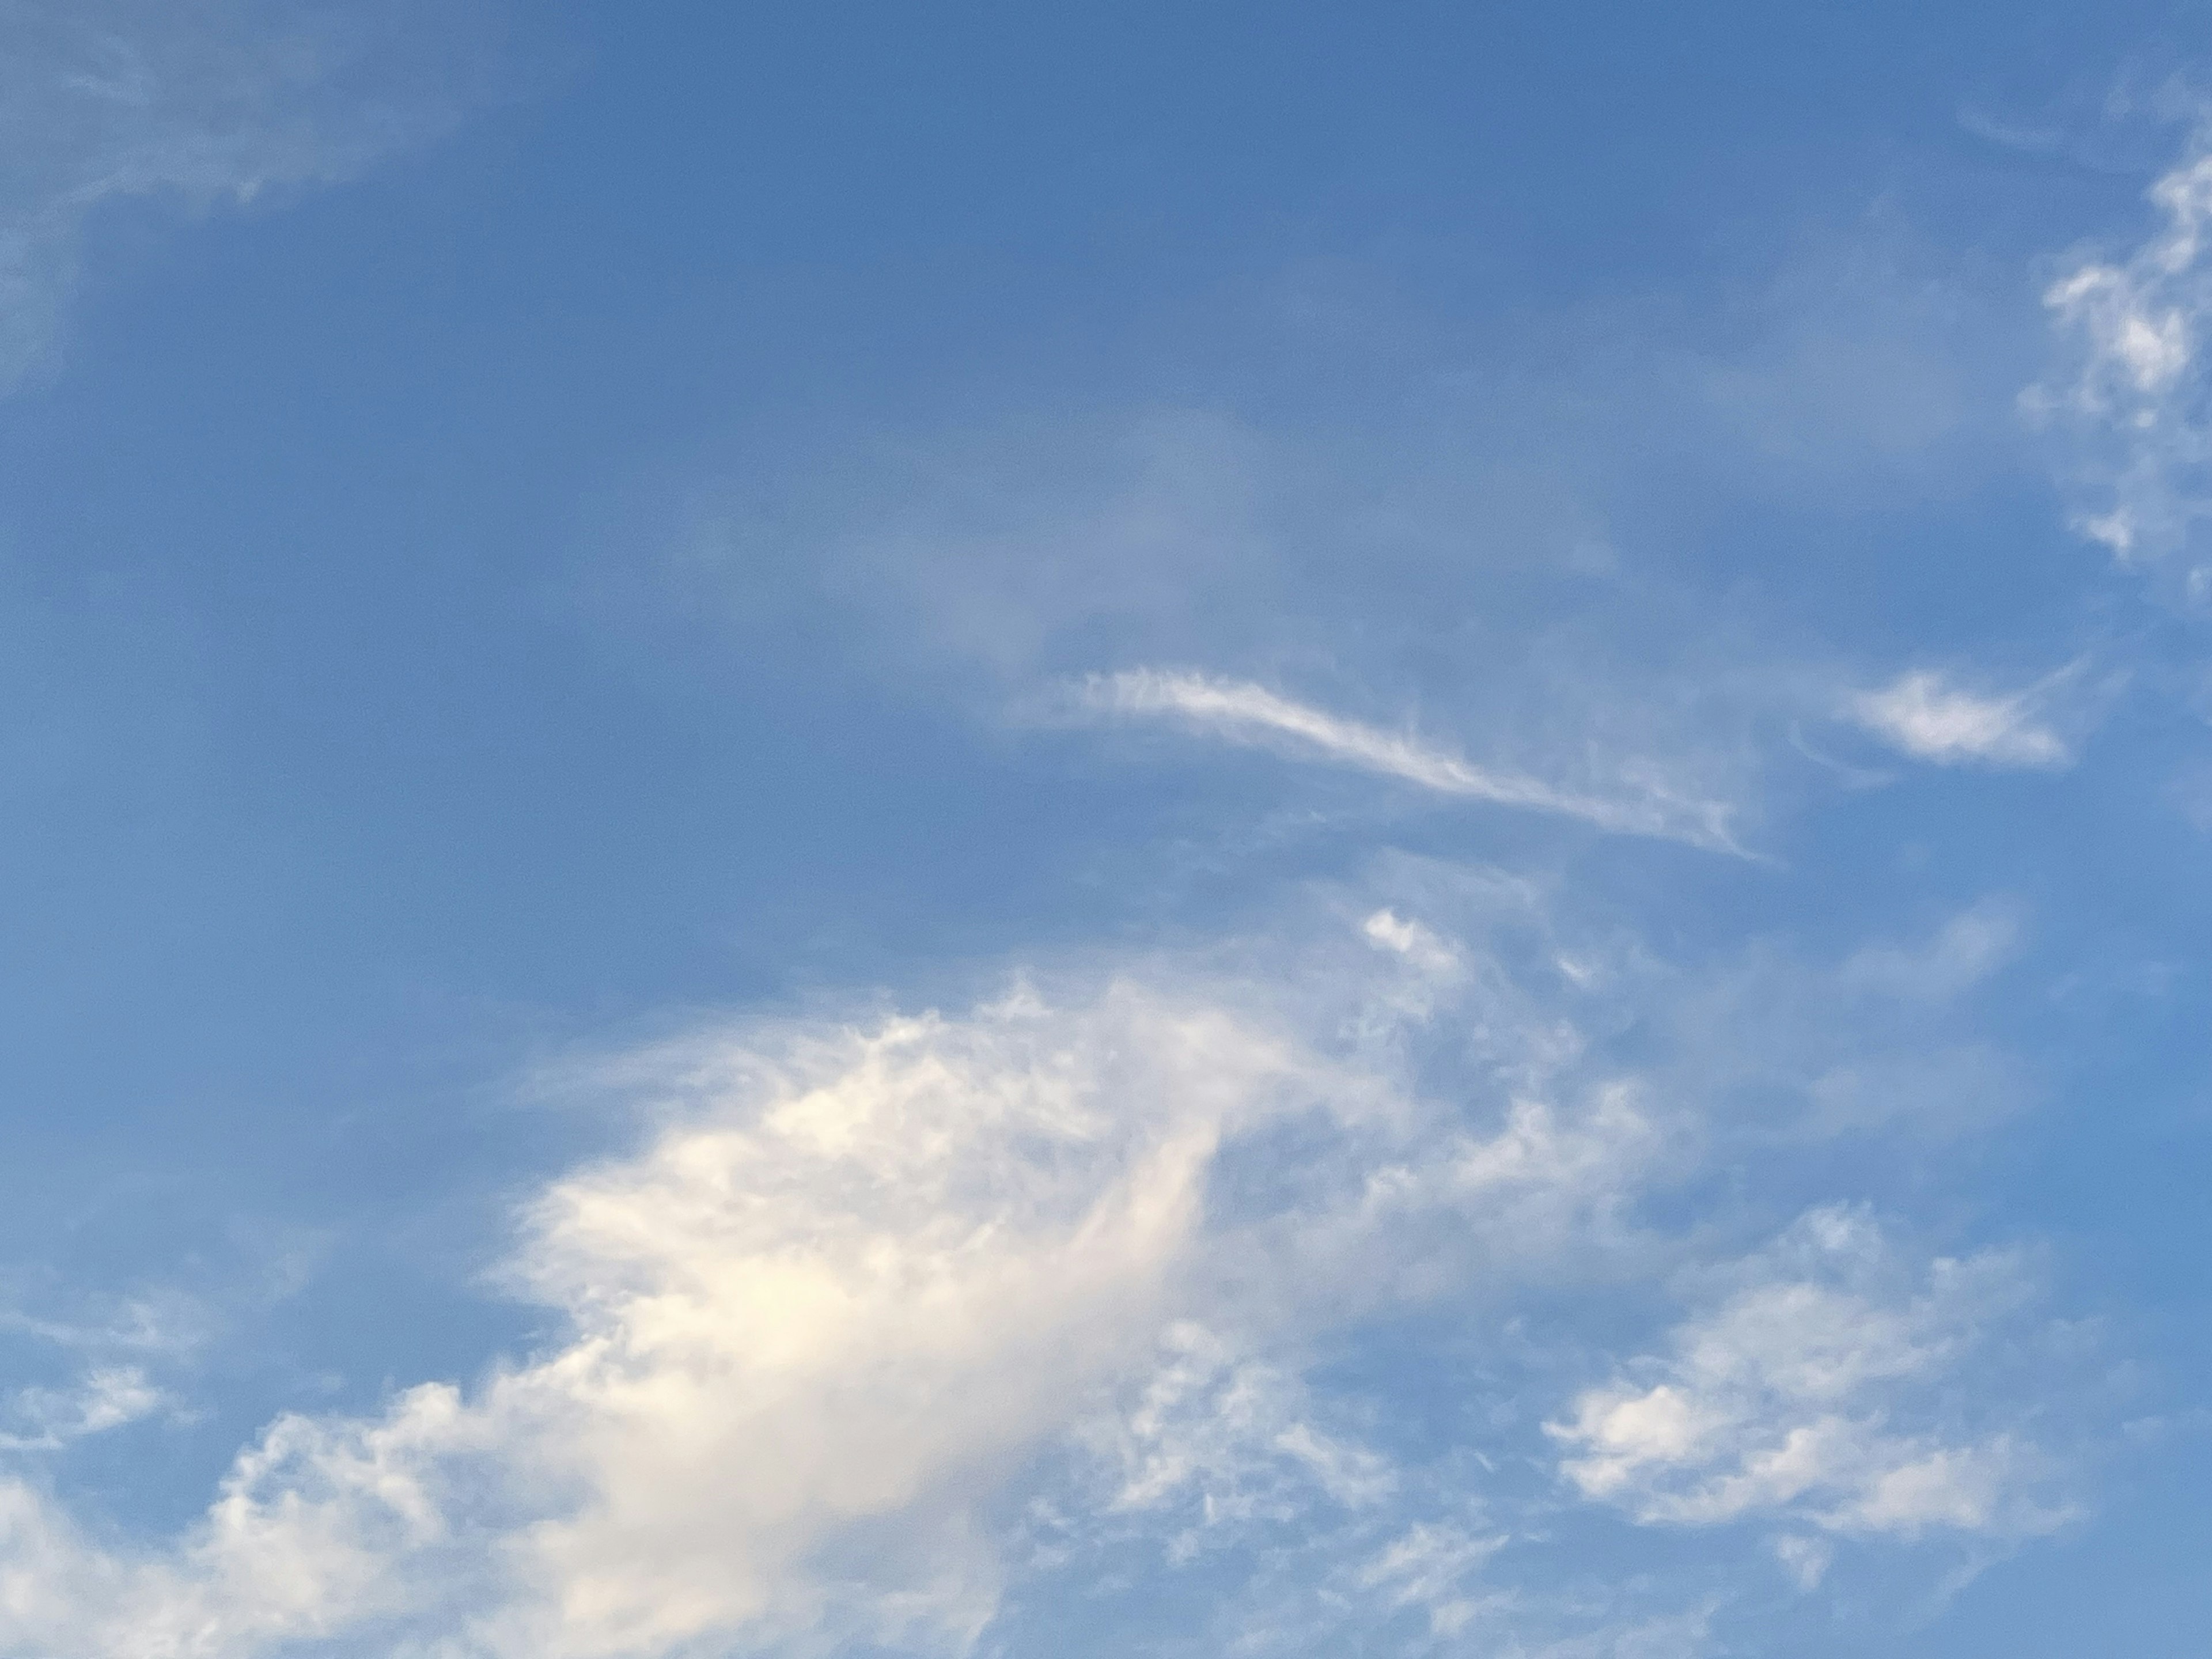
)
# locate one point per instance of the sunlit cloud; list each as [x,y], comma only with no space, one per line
[861,1279]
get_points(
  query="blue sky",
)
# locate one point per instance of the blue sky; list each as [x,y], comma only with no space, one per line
[1295,830]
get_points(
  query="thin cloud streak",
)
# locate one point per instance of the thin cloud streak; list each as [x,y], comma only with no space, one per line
[1242,712]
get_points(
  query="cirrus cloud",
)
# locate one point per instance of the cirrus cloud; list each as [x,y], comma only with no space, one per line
[1244,712]
[1925,715]
[202,104]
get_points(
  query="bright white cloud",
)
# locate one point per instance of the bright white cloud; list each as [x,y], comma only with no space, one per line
[861,1283]
[862,1277]
[1924,714]
[907,1267]
[1245,713]
[1816,1392]
[1389,931]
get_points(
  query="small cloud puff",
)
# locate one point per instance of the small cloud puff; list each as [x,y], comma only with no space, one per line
[1386,930]
[1924,714]
[108,1397]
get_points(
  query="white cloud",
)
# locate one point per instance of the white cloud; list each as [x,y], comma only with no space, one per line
[862,1287]
[1245,713]
[107,1397]
[1924,714]
[1427,1567]
[1816,1392]
[859,1279]
[198,104]
[1541,1181]
[903,1257]
[862,1277]
[1222,1439]
[1389,931]
[167,1322]
[2134,398]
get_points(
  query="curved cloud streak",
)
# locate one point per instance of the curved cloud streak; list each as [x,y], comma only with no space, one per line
[1244,712]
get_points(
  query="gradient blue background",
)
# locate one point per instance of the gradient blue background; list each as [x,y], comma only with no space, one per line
[371,731]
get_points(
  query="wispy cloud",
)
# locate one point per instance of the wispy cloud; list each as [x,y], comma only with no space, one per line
[1218,1439]
[1244,712]
[102,100]
[1427,1568]
[884,1262]
[859,1276]
[2133,398]
[107,1397]
[1962,953]
[1925,715]
[1797,1397]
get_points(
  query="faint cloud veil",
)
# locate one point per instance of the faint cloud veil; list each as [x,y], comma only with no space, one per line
[201,104]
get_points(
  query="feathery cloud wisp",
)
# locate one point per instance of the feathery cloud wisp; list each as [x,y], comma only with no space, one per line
[1922,713]
[1794,1397]
[2134,399]
[106,100]
[1245,712]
